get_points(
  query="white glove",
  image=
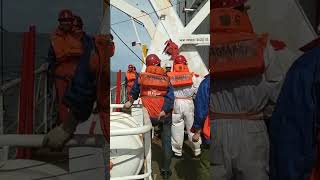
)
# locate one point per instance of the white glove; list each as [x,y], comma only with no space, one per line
[60,135]
[127,105]
[56,138]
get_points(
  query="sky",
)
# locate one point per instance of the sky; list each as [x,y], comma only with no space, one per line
[123,56]
[20,14]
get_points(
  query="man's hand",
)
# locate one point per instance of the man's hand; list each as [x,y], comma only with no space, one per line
[60,135]
[161,115]
[56,138]
[127,105]
[196,137]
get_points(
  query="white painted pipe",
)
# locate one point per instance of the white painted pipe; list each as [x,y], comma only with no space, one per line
[26,140]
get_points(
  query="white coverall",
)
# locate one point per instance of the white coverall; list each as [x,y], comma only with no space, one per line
[240,149]
[183,116]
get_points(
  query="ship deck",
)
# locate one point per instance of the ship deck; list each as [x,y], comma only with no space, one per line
[182,169]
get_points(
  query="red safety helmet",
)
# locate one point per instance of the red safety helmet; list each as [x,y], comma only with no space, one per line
[152,60]
[226,3]
[65,15]
[180,60]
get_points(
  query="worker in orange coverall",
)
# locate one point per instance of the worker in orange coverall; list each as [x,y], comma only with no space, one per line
[131,76]
[90,84]
[64,54]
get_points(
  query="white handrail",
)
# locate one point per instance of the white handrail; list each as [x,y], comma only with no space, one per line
[4,150]
[114,87]
[32,140]
[16,81]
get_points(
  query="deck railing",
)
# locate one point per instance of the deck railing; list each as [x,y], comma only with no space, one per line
[43,107]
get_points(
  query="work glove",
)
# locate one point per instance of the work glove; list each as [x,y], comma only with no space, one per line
[127,105]
[196,136]
[60,135]
[161,115]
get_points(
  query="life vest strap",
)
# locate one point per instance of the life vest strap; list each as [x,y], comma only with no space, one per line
[240,115]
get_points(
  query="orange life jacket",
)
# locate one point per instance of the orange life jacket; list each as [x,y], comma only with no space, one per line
[180,76]
[131,77]
[66,45]
[154,84]
[236,51]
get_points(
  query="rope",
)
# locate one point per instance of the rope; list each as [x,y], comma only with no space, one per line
[127,46]
[152,12]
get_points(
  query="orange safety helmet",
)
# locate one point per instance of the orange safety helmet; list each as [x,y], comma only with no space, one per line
[180,60]
[152,60]
[65,15]
[226,3]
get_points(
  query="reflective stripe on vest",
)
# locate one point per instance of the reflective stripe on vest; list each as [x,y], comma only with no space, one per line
[153,84]
[180,79]
[235,51]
